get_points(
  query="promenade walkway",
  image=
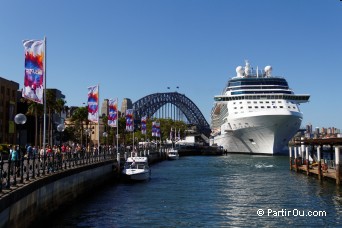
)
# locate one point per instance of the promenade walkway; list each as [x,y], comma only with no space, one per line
[26,170]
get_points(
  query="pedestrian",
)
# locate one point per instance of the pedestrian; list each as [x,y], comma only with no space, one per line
[29,151]
[34,151]
[14,158]
[42,154]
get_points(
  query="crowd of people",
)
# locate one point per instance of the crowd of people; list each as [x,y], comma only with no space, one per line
[55,153]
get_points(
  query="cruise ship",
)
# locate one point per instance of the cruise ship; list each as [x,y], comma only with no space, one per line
[257,113]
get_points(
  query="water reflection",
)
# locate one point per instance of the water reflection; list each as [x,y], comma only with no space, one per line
[212,192]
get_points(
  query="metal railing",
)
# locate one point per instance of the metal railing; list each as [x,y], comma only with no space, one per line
[29,168]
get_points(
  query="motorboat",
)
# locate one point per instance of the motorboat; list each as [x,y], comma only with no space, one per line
[173,154]
[137,168]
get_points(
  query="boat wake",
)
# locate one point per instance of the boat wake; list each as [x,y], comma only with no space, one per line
[262,165]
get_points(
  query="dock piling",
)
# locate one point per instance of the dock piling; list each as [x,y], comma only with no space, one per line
[337,164]
[296,162]
[307,160]
[319,163]
[290,153]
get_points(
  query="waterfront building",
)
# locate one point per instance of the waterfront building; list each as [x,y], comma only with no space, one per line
[104,108]
[126,104]
[8,110]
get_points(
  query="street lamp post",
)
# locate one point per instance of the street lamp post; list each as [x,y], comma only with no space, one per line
[60,129]
[87,131]
[117,143]
[105,134]
[20,119]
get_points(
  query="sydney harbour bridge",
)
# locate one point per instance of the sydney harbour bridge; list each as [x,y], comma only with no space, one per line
[171,105]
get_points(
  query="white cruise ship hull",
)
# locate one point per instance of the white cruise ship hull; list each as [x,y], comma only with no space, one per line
[260,134]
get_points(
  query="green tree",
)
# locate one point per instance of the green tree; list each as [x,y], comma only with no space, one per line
[79,117]
[37,110]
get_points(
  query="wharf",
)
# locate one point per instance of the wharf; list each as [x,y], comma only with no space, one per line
[313,170]
[318,166]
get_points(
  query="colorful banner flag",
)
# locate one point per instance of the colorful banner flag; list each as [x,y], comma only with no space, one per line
[34,70]
[129,120]
[143,125]
[153,129]
[113,112]
[93,103]
[157,129]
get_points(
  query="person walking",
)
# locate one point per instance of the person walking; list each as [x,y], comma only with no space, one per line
[14,155]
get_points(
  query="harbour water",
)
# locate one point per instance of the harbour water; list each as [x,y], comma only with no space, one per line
[211,191]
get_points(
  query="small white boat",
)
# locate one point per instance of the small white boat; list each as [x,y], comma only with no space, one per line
[173,154]
[137,168]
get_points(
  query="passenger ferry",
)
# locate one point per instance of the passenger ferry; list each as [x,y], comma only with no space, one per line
[137,169]
[257,113]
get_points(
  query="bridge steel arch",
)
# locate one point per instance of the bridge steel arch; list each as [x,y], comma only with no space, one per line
[150,104]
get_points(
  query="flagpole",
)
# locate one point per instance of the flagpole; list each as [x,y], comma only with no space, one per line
[44,124]
[117,125]
[133,129]
[98,118]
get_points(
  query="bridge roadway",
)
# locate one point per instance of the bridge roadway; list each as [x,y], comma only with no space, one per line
[37,187]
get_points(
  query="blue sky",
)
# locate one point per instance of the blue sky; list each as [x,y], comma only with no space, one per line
[136,48]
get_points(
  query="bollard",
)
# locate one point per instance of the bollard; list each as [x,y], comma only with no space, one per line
[307,160]
[296,162]
[319,163]
[337,164]
[290,154]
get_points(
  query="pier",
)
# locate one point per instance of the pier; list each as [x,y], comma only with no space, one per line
[318,157]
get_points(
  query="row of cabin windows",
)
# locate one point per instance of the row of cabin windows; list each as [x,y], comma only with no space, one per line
[250,107]
[262,102]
